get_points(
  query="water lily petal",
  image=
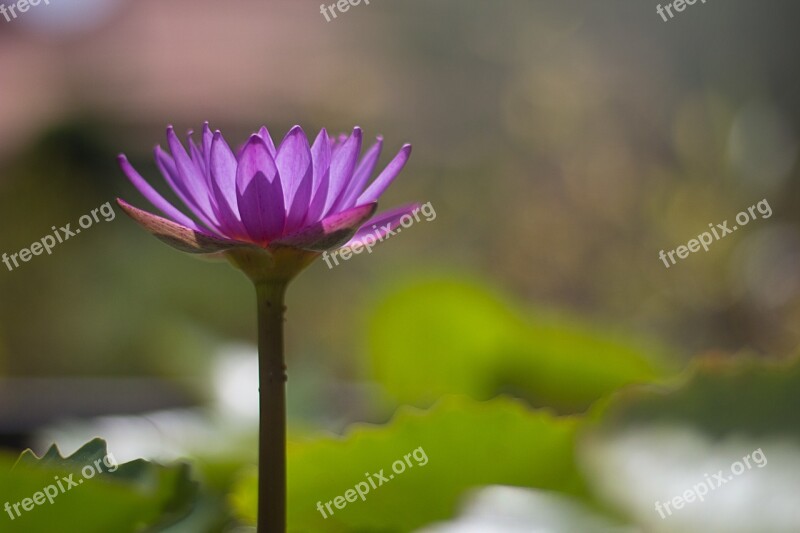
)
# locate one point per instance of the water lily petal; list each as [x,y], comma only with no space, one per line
[179,236]
[382,224]
[382,182]
[260,194]
[362,174]
[194,182]
[293,196]
[223,167]
[330,232]
[296,173]
[321,157]
[343,164]
[153,196]
[264,134]
[166,165]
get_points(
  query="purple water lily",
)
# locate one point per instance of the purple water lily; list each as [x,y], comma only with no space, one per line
[270,211]
[307,197]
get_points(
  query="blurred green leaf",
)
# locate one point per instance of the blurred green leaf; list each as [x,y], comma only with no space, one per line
[443,336]
[134,497]
[720,397]
[468,444]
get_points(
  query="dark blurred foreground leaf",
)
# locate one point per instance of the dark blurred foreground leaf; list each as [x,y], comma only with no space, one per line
[89,493]
[467,444]
[444,336]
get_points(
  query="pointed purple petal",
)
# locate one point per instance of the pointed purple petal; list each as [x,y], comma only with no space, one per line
[262,209]
[382,182]
[198,159]
[317,206]
[330,232]
[208,138]
[296,171]
[181,237]
[259,190]
[293,161]
[320,158]
[264,134]
[382,224]
[255,157]
[223,166]
[153,196]
[296,214]
[229,216]
[193,181]
[343,164]
[321,161]
[166,165]
[201,168]
[362,174]
[223,184]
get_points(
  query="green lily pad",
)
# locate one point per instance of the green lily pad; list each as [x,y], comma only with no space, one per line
[718,397]
[422,462]
[441,337]
[89,492]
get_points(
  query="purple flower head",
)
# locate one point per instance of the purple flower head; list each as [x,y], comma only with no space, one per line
[297,196]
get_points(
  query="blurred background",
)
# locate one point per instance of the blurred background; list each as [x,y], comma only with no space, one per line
[562,144]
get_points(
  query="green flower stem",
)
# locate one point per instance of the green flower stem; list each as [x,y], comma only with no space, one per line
[272,393]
